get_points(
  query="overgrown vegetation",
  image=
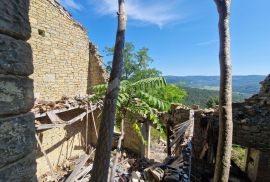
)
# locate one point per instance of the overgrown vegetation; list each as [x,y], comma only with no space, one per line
[238,156]
[156,135]
[212,102]
[135,100]
[143,91]
[169,94]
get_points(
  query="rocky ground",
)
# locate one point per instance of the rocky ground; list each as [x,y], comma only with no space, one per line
[131,166]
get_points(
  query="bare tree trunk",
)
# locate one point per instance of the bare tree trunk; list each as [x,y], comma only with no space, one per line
[222,167]
[118,150]
[104,143]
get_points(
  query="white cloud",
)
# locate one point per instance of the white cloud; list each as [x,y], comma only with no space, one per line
[157,12]
[73,4]
[205,43]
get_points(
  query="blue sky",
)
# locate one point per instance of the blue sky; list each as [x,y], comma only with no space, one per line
[182,35]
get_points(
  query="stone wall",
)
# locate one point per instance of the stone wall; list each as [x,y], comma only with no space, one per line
[17,131]
[264,166]
[251,119]
[251,130]
[131,140]
[62,53]
[97,74]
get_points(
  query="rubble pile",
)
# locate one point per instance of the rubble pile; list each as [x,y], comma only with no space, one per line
[173,169]
[42,106]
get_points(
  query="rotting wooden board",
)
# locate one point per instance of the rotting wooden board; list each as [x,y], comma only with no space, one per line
[54,118]
[79,164]
[66,123]
[56,111]
[48,126]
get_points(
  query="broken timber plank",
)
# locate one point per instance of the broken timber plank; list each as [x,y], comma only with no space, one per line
[56,111]
[48,126]
[65,123]
[93,119]
[46,157]
[84,172]
[86,131]
[54,118]
[79,164]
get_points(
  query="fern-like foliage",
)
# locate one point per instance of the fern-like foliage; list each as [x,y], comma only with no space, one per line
[134,98]
[149,83]
[152,101]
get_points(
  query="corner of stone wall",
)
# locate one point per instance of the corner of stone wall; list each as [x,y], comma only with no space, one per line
[17,131]
[97,74]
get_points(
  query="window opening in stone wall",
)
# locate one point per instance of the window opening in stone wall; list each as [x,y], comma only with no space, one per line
[41,32]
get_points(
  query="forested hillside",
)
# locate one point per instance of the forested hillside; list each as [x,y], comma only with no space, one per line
[246,85]
[200,97]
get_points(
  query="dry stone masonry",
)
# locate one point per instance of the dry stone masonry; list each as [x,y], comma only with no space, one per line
[17,140]
[14,19]
[65,62]
[252,126]
[251,121]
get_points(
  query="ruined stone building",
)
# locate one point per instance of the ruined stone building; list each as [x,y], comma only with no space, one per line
[61,61]
[66,63]
[251,131]
[45,54]
[65,60]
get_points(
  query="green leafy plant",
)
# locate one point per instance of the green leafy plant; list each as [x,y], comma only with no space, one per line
[212,102]
[135,99]
[169,94]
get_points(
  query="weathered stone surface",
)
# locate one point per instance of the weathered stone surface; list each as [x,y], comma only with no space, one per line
[251,130]
[22,170]
[16,95]
[17,137]
[15,56]
[14,19]
[65,63]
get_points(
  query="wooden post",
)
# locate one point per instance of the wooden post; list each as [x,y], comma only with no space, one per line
[46,157]
[148,140]
[86,131]
[247,159]
[169,134]
[94,121]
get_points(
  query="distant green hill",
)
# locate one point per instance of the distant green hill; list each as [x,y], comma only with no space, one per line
[200,97]
[244,85]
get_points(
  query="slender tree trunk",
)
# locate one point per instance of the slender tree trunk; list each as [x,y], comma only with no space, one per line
[104,143]
[222,167]
[118,150]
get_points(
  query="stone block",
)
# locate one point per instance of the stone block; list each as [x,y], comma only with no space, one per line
[16,95]
[17,137]
[23,170]
[14,19]
[15,56]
